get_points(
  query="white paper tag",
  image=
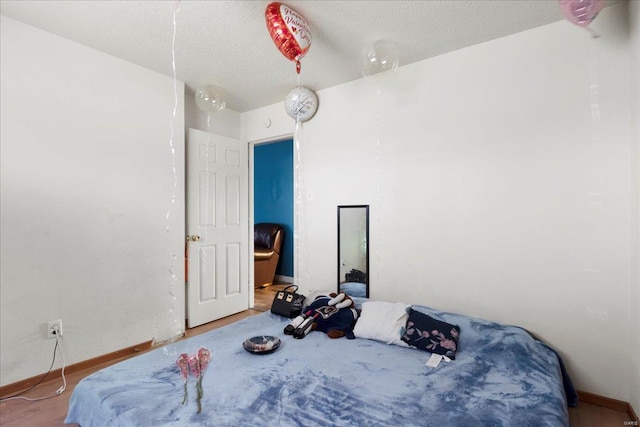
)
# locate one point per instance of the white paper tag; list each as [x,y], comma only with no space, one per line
[446,359]
[434,360]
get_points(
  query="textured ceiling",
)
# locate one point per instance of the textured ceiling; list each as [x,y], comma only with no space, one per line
[226,43]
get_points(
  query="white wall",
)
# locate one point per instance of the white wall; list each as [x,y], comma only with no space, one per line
[493,190]
[225,122]
[634,294]
[87,183]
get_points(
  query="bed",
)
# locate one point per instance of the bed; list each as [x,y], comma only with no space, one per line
[355,289]
[501,376]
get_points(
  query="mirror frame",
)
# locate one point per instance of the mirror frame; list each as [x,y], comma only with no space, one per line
[366,208]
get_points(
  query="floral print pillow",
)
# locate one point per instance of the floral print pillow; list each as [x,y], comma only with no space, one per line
[434,336]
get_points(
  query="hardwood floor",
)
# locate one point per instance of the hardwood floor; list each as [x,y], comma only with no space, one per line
[588,415]
[52,412]
[263,297]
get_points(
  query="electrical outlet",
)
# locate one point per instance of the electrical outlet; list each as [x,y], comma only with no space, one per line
[54,328]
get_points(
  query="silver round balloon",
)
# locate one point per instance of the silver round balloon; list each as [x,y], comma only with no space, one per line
[301,103]
[209,100]
[379,57]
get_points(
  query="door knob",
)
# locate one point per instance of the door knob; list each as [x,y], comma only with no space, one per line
[193,238]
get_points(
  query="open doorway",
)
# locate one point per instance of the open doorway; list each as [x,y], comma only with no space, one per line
[273,197]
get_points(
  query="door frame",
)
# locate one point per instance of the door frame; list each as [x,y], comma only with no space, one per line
[252,145]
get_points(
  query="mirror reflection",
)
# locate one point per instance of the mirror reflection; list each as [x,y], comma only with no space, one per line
[353,250]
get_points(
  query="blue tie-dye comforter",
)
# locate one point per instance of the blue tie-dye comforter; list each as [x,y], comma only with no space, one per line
[500,377]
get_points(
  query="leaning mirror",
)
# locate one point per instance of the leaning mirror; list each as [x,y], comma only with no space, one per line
[353,250]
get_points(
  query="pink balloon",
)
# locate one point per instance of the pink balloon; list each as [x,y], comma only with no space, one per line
[581,12]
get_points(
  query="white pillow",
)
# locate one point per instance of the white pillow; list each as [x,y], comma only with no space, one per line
[382,321]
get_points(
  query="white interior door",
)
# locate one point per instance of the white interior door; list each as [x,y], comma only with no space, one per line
[217,227]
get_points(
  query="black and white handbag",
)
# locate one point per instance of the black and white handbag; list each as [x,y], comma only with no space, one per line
[288,303]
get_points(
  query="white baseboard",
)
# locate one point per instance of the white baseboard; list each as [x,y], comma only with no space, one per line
[284,279]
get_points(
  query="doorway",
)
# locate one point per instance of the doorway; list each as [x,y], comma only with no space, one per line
[273,196]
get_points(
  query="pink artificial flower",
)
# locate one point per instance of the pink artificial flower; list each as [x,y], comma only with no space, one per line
[183,364]
[197,363]
[204,355]
[201,360]
[194,364]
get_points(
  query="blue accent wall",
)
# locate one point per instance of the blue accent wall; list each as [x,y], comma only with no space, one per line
[273,194]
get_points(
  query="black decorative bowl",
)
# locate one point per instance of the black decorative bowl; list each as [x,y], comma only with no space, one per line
[263,344]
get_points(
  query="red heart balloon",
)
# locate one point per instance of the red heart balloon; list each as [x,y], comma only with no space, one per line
[289,31]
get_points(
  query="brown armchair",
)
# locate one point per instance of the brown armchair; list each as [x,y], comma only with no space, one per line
[268,240]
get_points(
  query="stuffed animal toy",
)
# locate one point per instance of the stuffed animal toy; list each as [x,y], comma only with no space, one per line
[334,314]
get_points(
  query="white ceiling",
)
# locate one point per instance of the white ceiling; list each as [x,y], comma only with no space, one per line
[226,43]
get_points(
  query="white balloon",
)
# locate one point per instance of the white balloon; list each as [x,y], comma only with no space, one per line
[209,100]
[379,57]
[301,103]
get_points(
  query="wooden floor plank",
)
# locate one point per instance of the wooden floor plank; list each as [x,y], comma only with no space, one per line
[590,415]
